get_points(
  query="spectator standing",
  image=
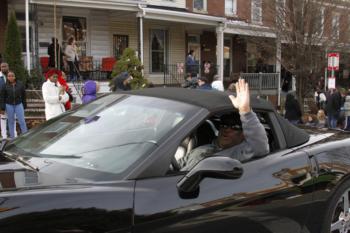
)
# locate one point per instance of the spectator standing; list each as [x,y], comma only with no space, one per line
[293,111]
[333,106]
[4,67]
[72,58]
[203,84]
[217,83]
[54,95]
[55,58]
[321,119]
[191,64]
[90,90]
[320,98]
[13,101]
[347,112]
[287,78]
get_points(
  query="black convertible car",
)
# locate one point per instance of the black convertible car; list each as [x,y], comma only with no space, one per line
[112,166]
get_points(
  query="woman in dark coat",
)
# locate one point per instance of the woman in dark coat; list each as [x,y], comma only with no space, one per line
[293,111]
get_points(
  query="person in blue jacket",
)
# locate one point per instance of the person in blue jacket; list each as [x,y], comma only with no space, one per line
[90,90]
[203,84]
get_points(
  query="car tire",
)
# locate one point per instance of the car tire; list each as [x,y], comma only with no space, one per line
[337,218]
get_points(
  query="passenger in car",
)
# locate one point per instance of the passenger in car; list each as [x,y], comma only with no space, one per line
[240,138]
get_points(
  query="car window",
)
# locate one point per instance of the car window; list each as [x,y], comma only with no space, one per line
[205,134]
[109,135]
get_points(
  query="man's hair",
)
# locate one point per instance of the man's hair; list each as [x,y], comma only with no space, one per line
[70,40]
[203,78]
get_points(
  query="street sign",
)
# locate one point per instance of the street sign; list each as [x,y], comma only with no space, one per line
[331,83]
[333,61]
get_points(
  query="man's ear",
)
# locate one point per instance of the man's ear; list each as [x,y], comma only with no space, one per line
[240,134]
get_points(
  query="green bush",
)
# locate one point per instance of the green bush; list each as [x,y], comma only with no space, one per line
[36,80]
[131,63]
[13,49]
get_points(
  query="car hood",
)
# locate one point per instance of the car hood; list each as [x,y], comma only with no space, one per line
[17,176]
[322,136]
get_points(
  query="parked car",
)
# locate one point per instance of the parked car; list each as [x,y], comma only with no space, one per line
[111,166]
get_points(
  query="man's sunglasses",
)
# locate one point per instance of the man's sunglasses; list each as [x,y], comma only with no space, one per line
[235,127]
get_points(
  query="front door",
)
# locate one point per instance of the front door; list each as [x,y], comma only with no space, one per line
[194,44]
[227,57]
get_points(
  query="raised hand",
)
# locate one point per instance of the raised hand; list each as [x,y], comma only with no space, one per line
[242,100]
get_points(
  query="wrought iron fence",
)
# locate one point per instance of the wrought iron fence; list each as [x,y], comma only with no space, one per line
[258,81]
[176,74]
[261,81]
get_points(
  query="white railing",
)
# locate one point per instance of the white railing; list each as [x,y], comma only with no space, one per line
[262,81]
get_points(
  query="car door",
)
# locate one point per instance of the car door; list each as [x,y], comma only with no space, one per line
[272,195]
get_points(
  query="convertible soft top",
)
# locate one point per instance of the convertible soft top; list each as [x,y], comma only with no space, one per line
[211,100]
[218,101]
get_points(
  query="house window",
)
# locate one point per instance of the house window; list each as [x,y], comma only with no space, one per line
[319,22]
[230,7]
[348,28]
[281,12]
[22,31]
[159,50]
[76,27]
[256,11]
[335,25]
[120,43]
[200,5]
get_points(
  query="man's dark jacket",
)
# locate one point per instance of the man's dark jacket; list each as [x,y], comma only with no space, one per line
[334,102]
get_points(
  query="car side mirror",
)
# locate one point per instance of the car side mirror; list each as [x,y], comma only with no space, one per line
[212,167]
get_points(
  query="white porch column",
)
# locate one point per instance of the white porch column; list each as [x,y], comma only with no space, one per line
[220,50]
[278,68]
[27,36]
[140,15]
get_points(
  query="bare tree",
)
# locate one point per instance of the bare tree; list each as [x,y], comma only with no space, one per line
[307,29]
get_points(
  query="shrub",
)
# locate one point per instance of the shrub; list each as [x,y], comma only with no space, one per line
[131,63]
[13,49]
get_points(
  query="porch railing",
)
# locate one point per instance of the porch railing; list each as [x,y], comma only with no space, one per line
[176,74]
[262,81]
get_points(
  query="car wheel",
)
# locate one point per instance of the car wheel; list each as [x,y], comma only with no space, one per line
[338,216]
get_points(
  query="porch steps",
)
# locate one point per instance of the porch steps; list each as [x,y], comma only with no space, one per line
[35,111]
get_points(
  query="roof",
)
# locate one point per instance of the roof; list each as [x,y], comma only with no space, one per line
[168,8]
[183,17]
[211,100]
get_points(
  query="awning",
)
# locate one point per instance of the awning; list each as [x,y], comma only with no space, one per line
[127,5]
[183,17]
[243,28]
[139,6]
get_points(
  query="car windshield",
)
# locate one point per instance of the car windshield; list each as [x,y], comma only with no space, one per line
[107,135]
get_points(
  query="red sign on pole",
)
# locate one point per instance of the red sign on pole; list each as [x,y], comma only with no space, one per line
[333,61]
